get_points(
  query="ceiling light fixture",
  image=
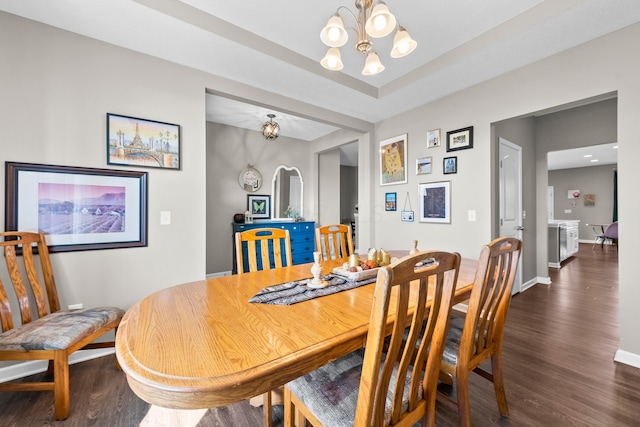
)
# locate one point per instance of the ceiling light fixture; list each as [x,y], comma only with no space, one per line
[270,129]
[373,20]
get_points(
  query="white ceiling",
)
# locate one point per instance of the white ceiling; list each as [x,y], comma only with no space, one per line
[594,155]
[274,46]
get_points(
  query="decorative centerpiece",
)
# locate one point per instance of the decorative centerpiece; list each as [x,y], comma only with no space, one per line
[316,271]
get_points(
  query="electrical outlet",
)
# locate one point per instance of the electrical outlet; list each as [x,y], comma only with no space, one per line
[75,306]
[471,216]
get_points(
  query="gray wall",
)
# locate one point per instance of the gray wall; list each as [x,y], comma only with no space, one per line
[56,90]
[229,150]
[329,187]
[348,192]
[597,180]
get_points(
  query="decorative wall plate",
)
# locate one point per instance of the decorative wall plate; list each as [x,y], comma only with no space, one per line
[250,179]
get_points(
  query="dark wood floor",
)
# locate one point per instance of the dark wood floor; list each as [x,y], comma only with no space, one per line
[558,359]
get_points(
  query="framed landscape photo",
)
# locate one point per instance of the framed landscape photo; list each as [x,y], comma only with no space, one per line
[435,202]
[393,160]
[77,208]
[460,139]
[132,141]
[433,138]
[259,206]
[390,202]
[450,165]
[423,166]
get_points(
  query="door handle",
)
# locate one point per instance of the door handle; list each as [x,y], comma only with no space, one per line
[520,228]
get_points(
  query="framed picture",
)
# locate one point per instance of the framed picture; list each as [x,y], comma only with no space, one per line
[423,166]
[390,202]
[460,139]
[77,208]
[433,138]
[259,206]
[407,216]
[393,160]
[589,199]
[435,202]
[139,142]
[450,165]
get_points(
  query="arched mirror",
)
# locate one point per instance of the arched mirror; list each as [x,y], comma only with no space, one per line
[287,193]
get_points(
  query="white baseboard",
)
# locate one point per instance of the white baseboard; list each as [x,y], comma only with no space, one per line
[543,280]
[528,284]
[627,358]
[219,274]
[31,367]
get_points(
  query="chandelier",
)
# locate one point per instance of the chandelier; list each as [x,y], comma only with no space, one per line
[371,22]
[270,129]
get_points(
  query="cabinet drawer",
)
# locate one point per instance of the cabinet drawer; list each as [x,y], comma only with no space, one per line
[307,238]
[301,258]
[302,247]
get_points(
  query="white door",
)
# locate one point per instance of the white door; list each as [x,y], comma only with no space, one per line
[511,197]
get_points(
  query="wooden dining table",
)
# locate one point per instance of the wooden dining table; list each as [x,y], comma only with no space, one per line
[202,344]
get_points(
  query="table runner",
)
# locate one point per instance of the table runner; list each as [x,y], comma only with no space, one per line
[297,291]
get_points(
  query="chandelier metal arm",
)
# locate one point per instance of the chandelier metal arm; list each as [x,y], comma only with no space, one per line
[373,20]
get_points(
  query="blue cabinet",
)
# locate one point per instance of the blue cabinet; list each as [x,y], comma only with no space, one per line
[302,236]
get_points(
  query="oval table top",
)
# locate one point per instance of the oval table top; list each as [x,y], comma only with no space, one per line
[202,344]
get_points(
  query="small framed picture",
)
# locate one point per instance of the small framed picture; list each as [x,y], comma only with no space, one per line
[259,206]
[132,141]
[460,139]
[390,202]
[433,138]
[423,166]
[407,216]
[450,165]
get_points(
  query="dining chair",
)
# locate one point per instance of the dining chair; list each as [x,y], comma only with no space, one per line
[477,336]
[45,331]
[265,249]
[334,241]
[393,380]
[609,236]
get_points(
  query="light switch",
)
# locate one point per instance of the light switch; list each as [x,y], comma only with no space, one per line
[567,211]
[165,217]
[471,216]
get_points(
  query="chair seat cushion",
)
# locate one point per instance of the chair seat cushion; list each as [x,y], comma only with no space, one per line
[452,343]
[58,330]
[331,391]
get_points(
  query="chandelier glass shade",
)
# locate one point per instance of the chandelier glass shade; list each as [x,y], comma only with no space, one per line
[270,129]
[374,20]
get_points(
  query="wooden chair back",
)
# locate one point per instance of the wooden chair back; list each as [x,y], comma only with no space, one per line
[265,248]
[478,336]
[46,332]
[26,280]
[489,301]
[414,356]
[334,241]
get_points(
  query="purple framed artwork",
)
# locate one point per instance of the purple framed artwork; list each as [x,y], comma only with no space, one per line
[77,208]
